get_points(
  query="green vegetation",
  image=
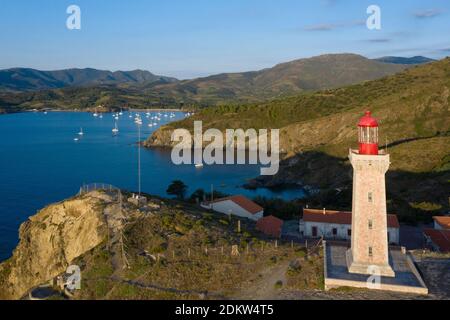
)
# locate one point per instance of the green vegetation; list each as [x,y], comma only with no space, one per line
[306,272]
[177,188]
[195,259]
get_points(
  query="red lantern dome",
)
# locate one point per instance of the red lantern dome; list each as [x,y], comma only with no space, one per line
[368,135]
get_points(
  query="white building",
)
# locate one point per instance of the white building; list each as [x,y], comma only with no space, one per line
[337,225]
[236,205]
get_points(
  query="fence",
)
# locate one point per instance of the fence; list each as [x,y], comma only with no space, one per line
[230,253]
[86,188]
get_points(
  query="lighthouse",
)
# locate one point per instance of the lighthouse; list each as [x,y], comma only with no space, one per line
[369,252]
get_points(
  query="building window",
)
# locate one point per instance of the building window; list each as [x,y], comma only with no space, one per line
[349,232]
[389,236]
[370,251]
[335,232]
[370,224]
[314,231]
[370,197]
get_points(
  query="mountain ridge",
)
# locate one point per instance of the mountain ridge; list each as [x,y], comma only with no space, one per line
[405,60]
[283,80]
[28,79]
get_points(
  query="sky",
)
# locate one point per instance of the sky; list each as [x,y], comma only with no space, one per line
[193,38]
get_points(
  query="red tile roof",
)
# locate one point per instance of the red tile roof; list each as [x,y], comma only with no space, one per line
[440,238]
[444,222]
[270,225]
[243,202]
[340,217]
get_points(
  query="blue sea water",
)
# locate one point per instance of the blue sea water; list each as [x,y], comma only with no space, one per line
[40,163]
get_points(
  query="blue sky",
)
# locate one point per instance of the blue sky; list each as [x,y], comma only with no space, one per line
[190,38]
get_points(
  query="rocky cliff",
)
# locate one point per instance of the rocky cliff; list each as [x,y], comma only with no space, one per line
[51,240]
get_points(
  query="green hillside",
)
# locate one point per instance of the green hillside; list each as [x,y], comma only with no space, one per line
[303,75]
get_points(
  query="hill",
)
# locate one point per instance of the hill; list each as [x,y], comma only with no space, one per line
[24,79]
[403,60]
[316,73]
[144,91]
[316,130]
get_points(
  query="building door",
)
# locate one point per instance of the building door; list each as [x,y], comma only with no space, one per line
[314,231]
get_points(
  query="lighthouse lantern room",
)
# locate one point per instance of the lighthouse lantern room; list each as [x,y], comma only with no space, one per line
[368,134]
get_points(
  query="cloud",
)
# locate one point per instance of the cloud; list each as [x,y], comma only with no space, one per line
[379,40]
[329,3]
[429,13]
[321,27]
[333,26]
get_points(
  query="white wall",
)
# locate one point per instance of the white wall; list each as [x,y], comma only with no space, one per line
[326,230]
[437,226]
[230,207]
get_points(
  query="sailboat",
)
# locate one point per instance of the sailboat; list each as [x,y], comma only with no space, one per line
[81,132]
[115,130]
[138,119]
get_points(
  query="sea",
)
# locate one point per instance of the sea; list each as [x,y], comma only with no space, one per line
[43,159]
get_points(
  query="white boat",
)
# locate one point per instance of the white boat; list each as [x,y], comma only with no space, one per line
[81,132]
[95,114]
[75,139]
[115,130]
[199,165]
[138,120]
[100,116]
[150,125]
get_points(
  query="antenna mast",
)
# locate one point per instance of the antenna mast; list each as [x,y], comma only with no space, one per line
[139,159]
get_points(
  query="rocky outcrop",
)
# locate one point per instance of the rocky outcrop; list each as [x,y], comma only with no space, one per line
[51,240]
[160,138]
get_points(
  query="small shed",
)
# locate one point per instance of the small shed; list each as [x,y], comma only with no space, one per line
[270,225]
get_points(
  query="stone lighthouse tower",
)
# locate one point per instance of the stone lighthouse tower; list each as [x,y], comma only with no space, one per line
[369,250]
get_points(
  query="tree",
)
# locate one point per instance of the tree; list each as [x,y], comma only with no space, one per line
[198,194]
[177,188]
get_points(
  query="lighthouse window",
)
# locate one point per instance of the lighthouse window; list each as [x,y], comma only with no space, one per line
[369,197]
[370,224]
[370,251]
[368,134]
